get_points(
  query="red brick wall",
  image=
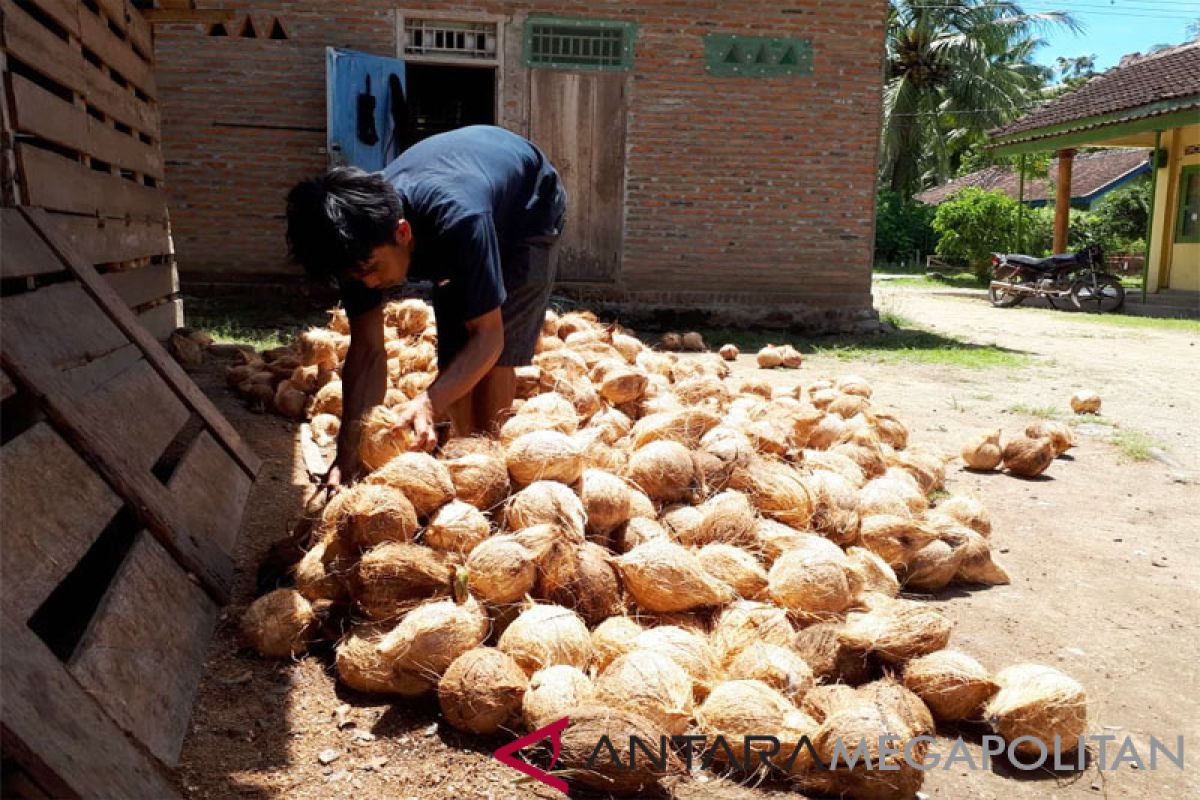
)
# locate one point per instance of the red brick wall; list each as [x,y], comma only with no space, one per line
[738,190]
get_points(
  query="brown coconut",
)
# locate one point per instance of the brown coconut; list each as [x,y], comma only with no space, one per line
[379,514]
[382,437]
[744,623]
[976,564]
[891,430]
[686,426]
[953,685]
[831,660]
[776,490]
[396,576]
[628,346]
[651,684]
[790,357]
[361,666]
[611,425]
[480,479]
[897,632]
[547,503]
[409,317]
[592,722]
[773,539]
[456,527]
[836,514]
[605,500]
[895,539]
[555,411]
[690,649]
[319,347]
[640,505]
[1085,402]
[325,429]
[613,638]
[1027,457]
[873,498]
[1056,432]
[874,574]
[968,511]
[740,708]
[544,456]
[290,401]
[323,571]
[854,385]
[544,635]
[781,668]
[594,589]
[1041,702]
[482,691]
[431,636]
[811,580]
[664,470]
[425,481]
[727,518]
[501,569]
[983,452]
[621,384]
[553,692]
[862,728]
[769,357]
[729,352]
[279,624]
[327,400]
[665,577]
[849,405]
[820,702]
[932,568]
[736,568]
[638,530]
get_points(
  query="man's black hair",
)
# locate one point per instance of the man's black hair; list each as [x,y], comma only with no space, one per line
[334,221]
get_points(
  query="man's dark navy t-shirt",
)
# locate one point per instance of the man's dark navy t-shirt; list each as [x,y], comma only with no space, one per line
[471,196]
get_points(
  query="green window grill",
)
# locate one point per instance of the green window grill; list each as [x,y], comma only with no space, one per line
[727,55]
[564,43]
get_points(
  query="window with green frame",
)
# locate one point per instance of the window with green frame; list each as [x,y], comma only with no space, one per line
[1187,226]
[574,43]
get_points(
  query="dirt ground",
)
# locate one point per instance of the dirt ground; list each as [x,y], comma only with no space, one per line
[1103,551]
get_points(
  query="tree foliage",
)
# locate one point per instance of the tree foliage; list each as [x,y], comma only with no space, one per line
[903,229]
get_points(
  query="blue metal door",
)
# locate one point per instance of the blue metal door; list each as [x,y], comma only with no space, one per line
[365,108]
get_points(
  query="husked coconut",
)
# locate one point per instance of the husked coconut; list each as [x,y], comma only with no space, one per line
[322,573]
[745,622]
[729,352]
[831,659]
[891,430]
[686,426]
[967,511]
[874,574]
[811,579]
[953,685]
[664,470]
[361,667]
[769,357]
[835,510]
[790,357]
[459,446]
[605,500]
[862,728]
[280,624]
[738,709]
[379,514]
[1085,402]
[613,638]
[457,527]
[557,412]
[773,539]
[290,401]
[501,569]
[823,398]
[895,539]
[897,632]
[777,491]
[480,479]
[620,383]
[544,455]
[663,576]
[382,437]
[781,668]
[592,722]
[849,405]
[932,568]
[693,342]
[327,400]
[545,635]
[528,382]
[821,702]
[550,323]
[1040,702]
[431,636]
[854,385]
[325,429]
[690,650]
[396,576]
[730,446]
[612,425]
[1058,433]
[976,564]
[736,568]
[671,342]
[650,684]
[874,495]
[553,692]
[594,589]
[682,522]
[546,503]
[638,530]
[409,317]
[482,691]
[628,346]
[702,390]
[983,452]
[1027,457]
[319,347]
[640,505]
[424,480]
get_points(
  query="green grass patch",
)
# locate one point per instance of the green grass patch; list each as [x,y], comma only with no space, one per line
[246,318]
[1044,412]
[958,280]
[985,398]
[1090,419]
[1135,444]
[230,331]
[1139,323]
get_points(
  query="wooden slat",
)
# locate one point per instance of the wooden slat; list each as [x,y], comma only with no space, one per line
[64,12]
[119,102]
[7,387]
[139,286]
[50,117]
[104,241]
[140,32]
[87,378]
[58,183]
[143,653]
[155,354]
[36,46]
[23,253]
[45,712]
[206,16]
[138,411]
[211,489]
[115,52]
[54,506]
[162,319]
[63,324]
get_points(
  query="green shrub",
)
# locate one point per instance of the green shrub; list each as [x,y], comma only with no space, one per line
[903,229]
[972,224]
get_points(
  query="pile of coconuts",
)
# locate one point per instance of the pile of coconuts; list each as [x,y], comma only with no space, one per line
[651,547]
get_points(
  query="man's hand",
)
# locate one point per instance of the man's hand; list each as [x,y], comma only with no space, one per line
[417,416]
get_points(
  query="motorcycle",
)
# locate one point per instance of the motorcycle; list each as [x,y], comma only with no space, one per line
[1079,280]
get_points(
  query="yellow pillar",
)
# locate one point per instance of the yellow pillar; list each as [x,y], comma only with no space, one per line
[1062,203]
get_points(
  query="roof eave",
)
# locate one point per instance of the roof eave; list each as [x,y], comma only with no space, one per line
[1162,115]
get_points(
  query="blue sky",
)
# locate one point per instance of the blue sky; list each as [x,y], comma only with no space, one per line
[1115,27]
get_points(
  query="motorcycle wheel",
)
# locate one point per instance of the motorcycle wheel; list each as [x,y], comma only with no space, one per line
[1004,299]
[1104,295]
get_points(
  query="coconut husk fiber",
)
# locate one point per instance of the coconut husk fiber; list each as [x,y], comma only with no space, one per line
[820,702]
[665,471]
[1058,433]
[456,527]
[432,635]
[594,589]
[547,503]
[382,438]
[1028,458]
[953,684]
[740,708]
[897,632]
[735,567]
[544,635]
[874,574]
[831,660]
[689,649]
[652,685]
[424,480]
[613,638]
[811,580]
[864,725]
[544,455]
[605,500]
[379,514]
[781,668]
[746,622]
[480,479]
[1038,701]
[360,666]
[663,576]
[686,426]
[323,572]
[279,624]
[553,692]
[590,723]
[777,491]
[501,569]
[396,576]
[895,539]
[983,452]
[968,511]
[482,691]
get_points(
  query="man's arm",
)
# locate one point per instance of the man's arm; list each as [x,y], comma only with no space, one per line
[485,342]
[364,385]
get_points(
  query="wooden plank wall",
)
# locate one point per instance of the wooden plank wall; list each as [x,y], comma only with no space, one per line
[83,116]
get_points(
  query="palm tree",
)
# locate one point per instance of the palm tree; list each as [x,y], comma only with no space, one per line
[956,68]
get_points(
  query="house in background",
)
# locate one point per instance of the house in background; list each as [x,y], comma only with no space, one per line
[717,156]
[1094,175]
[1148,100]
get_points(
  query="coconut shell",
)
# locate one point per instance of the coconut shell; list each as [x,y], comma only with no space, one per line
[501,570]
[545,635]
[665,577]
[897,632]
[482,691]
[933,567]
[1028,458]
[736,568]
[777,491]
[396,576]
[664,470]
[729,352]
[778,667]
[480,479]
[874,574]
[744,623]
[432,635]
[592,722]
[382,437]
[605,501]
[544,455]
[651,684]
[379,514]
[1056,432]
[547,503]
[831,660]
[1085,402]
[1038,701]
[552,694]
[983,452]
[424,480]
[361,667]
[686,426]
[638,530]
[953,685]
[457,527]
[967,511]
[740,708]
[279,624]
[689,649]
[811,580]
[895,539]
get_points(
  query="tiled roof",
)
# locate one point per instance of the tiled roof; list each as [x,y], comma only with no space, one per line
[1091,174]
[1139,80]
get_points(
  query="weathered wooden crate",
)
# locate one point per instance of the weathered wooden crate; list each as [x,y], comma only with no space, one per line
[121,492]
[81,133]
